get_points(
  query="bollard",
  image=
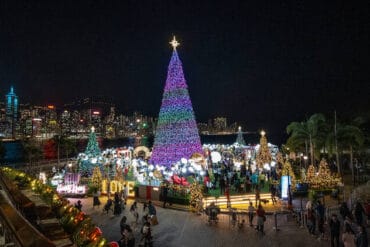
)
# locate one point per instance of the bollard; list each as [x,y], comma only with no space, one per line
[275,220]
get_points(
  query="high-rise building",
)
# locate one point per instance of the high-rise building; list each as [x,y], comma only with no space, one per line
[12,110]
[220,124]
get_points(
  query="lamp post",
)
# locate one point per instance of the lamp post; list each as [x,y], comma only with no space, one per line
[305,161]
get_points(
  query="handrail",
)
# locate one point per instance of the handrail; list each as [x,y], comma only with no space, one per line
[22,231]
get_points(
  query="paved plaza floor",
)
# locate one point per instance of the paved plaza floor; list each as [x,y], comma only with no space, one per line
[185,229]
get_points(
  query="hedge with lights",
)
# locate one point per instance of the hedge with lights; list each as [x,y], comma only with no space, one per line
[84,232]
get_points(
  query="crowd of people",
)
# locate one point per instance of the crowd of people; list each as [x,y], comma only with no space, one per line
[348,228]
[149,219]
[243,181]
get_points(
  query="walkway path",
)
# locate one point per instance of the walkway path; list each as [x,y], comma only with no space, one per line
[179,228]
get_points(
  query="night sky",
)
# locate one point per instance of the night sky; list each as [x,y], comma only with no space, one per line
[264,64]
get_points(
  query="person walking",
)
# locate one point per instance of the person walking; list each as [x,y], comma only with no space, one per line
[133,210]
[78,205]
[251,210]
[348,237]
[261,218]
[334,230]
[152,214]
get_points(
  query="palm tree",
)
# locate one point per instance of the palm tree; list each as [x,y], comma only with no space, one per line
[351,137]
[69,147]
[312,131]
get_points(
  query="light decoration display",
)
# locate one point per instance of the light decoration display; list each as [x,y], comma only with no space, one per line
[71,185]
[323,179]
[263,155]
[240,138]
[177,133]
[92,148]
[92,156]
[196,197]
[96,178]
[288,171]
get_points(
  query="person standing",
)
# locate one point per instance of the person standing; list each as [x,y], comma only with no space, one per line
[133,210]
[251,210]
[311,217]
[164,195]
[320,209]
[126,191]
[257,196]
[261,218]
[273,194]
[96,201]
[361,238]
[222,184]
[359,210]
[334,230]
[348,238]
[262,179]
[117,204]
[367,211]
[344,210]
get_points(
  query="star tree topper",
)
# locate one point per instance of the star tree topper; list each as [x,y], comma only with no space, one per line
[174,43]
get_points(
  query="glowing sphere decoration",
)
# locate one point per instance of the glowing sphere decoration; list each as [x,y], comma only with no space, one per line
[216,157]
[177,133]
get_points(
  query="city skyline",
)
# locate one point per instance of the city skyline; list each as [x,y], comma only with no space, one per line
[262,65]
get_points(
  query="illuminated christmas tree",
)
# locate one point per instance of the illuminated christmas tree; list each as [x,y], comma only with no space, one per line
[92,153]
[324,177]
[240,138]
[310,174]
[263,155]
[288,171]
[96,178]
[176,134]
[92,148]
[196,196]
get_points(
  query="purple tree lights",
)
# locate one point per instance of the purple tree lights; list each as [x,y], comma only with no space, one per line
[177,134]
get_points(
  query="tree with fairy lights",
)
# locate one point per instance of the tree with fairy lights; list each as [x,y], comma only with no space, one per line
[325,179]
[92,148]
[311,175]
[176,134]
[240,138]
[96,178]
[92,153]
[288,171]
[263,155]
[196,197]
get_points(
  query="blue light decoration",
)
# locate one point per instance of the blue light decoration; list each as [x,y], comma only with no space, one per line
[285,181]
[176,134]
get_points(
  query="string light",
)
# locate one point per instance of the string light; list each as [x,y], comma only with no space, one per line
[177,133]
